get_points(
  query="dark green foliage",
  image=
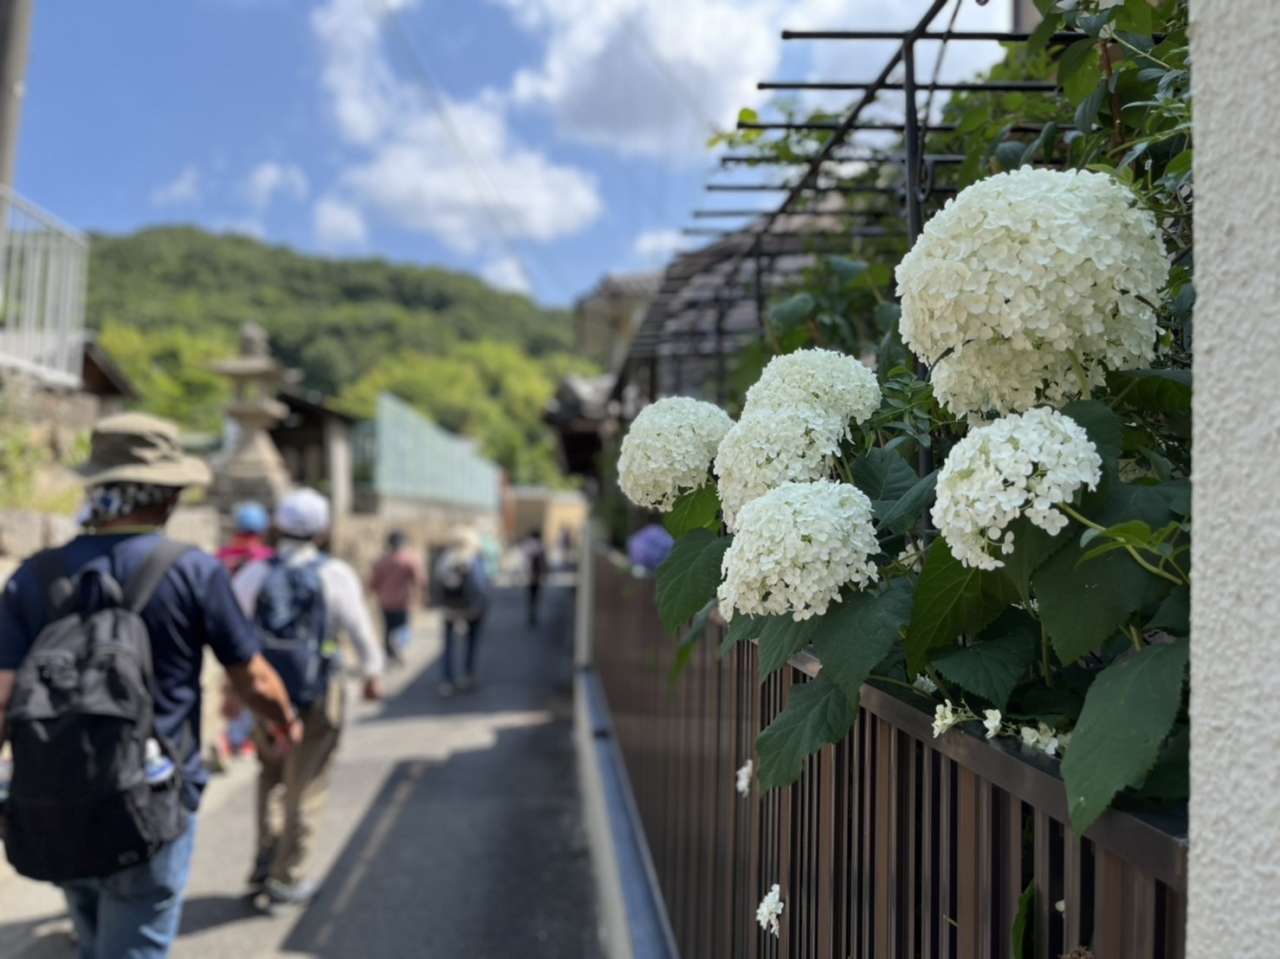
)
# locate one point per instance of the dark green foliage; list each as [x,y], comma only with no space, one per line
[478,361]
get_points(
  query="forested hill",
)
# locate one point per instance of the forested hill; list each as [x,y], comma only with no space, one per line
[169,300]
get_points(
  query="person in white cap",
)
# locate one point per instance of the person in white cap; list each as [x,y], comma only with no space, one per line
[301,600]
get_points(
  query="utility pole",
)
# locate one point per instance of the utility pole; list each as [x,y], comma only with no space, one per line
[15,32]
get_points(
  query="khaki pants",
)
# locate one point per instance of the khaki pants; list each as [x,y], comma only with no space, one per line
[292,790]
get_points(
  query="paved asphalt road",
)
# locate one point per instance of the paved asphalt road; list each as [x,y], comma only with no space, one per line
[453,829]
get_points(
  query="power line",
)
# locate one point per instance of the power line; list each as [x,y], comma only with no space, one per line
[486,190]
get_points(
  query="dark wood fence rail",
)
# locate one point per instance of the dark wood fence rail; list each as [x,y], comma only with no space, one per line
[893,845]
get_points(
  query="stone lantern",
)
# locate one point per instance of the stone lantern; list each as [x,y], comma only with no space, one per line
[255,469]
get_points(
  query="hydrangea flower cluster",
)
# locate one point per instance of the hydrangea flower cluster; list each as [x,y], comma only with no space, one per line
[792,424]
[1024,464]
[669,450]
[1029,282]
[767,448]
[770,909]
[831,381]
[797,545]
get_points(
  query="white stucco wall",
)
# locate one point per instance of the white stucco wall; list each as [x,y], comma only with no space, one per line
[1235,671]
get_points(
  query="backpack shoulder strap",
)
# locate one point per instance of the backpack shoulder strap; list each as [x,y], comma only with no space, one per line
[50,569]
[147,577]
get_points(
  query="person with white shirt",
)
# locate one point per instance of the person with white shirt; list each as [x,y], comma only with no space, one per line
[293,787]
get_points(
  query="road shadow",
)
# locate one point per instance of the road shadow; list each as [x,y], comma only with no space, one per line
[481,855]
[46,938]
[208,912]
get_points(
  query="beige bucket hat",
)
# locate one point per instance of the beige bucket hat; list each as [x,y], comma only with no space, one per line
[136,448]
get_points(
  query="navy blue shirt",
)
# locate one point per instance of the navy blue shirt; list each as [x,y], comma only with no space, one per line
[193,607]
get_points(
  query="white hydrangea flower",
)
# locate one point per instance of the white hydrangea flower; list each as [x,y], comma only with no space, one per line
[1023,464]
[944,717]
[744,777]
[669,450]
[767,448]
[1042,737]
[796,546]
[838,384]
[770,909]
[1026,275]
[925,684]
[992,720]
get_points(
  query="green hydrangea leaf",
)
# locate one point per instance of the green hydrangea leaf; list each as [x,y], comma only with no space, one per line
[853,638]
[883,474]
[1128,713]
[899,514]
[952,600]
[1161,391]
[741,628]
[1083,604]
[699,508]
[780,639]
[992,666]
[688,578]
[817,712]
[1102,425]
[688,642]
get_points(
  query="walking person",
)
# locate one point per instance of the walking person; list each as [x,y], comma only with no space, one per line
[248,543]
[536,558]
[300,601]
[460,588]
[106,808]
[398,580]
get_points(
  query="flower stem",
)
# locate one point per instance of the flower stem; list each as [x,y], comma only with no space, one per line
[1085,393]
[1153,570]
[1045,663]
[896,682]
[1135,636]
[937,681]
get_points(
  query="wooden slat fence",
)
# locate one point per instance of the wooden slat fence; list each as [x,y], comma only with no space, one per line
[893,845]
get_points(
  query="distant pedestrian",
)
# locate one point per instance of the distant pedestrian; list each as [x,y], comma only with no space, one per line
[300,600]
[536,559]
[248,541]
[398,580]
[460,588]
[101,645]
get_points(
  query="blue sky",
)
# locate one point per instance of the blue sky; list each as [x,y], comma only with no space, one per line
[537,143]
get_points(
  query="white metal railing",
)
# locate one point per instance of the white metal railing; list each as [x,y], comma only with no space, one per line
[43,275]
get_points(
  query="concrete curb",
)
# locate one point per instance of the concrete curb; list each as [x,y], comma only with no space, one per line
[633,917]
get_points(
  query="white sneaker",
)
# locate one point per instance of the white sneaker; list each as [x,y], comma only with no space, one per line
[446,690]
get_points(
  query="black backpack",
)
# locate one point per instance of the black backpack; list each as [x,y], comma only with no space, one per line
[80,804]
[457,586]
[290,616]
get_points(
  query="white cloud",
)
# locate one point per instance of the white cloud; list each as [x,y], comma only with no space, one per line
[655,247]
[453,168]
[185,188]
[338,224]
[507,273]
[651,77]
[267,179]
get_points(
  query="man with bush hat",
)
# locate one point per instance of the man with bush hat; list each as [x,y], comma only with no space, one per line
[81,593]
